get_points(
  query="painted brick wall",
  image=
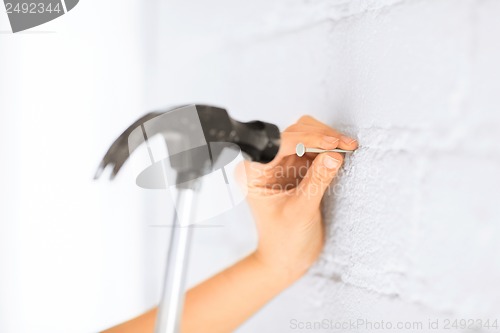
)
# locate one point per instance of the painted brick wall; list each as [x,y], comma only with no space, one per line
[414,223]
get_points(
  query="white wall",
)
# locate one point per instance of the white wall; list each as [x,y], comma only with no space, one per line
[413,229]
[73,252]
[413,233]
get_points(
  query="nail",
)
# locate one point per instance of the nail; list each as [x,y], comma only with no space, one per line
[330,162]
[300,150]
[347,140]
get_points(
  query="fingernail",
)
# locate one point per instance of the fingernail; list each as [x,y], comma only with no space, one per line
[330,162]
[347,140]
[330,139]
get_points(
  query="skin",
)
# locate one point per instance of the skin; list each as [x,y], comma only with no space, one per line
[284,196]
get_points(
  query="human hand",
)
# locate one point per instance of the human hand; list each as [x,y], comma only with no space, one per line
[285,195]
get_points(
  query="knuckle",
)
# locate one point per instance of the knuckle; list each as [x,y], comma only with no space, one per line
[305,118]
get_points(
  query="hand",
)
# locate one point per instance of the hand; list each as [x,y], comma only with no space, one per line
[285,195]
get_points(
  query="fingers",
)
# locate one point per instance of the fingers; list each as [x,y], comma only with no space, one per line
[308,123]
[289,141]
[319,176]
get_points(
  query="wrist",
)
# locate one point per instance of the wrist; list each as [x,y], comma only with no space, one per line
[279,271]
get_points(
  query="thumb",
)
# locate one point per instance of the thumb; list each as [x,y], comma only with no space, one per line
[319,176]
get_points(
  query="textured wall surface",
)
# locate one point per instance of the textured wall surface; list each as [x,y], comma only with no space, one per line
[415,220]
[413,223]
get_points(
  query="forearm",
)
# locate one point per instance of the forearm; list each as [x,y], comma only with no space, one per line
[223,302]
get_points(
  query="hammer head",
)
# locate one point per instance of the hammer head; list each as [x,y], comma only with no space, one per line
[196,137]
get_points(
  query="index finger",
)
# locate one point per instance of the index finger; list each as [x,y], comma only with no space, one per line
[346,142]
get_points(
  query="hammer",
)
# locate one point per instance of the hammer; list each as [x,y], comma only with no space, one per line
[196,137]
